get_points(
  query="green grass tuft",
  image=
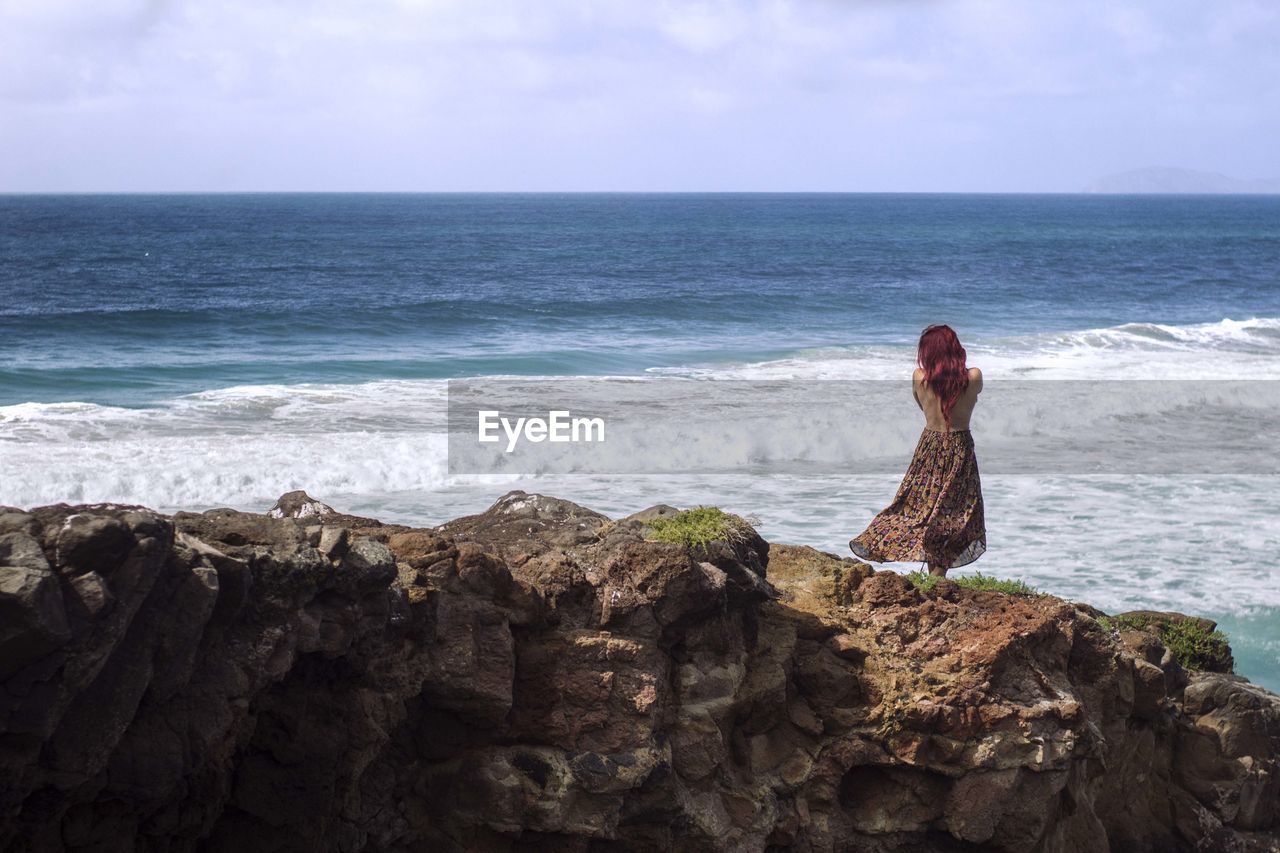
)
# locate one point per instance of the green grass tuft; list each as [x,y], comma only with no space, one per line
[1193,646]
[924,582]
[700,527]
[978,580]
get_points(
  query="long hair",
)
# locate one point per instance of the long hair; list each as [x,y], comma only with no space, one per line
[942,359]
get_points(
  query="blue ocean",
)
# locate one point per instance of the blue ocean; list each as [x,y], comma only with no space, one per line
[190,351]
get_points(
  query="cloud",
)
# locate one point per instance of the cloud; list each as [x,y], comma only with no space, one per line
[572,94]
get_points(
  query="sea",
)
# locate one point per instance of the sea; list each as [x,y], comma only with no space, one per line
[192,351]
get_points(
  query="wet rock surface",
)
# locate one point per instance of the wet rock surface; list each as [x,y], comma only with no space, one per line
[538,677]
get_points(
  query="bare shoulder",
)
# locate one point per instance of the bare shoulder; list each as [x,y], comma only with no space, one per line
[975,377]
[917,375]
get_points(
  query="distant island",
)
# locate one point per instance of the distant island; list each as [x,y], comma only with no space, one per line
[1171,180]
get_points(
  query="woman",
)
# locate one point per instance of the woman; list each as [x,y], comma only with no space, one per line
[936,516]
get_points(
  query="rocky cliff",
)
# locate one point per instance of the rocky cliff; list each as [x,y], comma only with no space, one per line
[539,677]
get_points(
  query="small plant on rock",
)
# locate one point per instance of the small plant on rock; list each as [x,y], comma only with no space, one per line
[924,582]
[1194,646]
[978,580]
[700,527]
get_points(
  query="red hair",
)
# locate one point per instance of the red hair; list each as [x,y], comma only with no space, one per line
[942,359]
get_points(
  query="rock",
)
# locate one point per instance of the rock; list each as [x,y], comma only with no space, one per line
[240,534]
[33,621]
[299,504]
[92,543]
[813,579]
[369,556]
[537,677]
[19,548]
[645,516]
[1164,617]
[1149,690]
[521,523]
[13,520]
[1216,654]
[1230,729]
[333,542]
[92,594]
[1243,715]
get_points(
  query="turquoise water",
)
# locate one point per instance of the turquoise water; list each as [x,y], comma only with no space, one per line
[192,351]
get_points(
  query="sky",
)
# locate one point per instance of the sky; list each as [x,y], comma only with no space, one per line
[631,95]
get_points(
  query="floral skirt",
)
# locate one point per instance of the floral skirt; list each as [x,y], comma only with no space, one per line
[936,516]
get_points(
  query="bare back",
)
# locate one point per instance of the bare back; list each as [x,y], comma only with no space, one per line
[931,405]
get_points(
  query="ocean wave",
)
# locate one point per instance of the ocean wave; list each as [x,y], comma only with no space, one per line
[219,470]
[1256,334]
[258,409]
[226,445]
[1228,349]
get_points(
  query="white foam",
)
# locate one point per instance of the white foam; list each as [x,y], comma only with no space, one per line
[1229,349]
[167,471]
[249,443]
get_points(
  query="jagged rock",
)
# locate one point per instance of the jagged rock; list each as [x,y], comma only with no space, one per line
[521,523]
[809,577]
[19,548]
[649,514]
[33,620]
[13,520]
[306,509]
[89,543]
[333,542]
[536,677]
[373,561]
[1242,722]
[1159,621]
[298,504]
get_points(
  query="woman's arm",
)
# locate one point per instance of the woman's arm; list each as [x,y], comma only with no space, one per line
[975,379]
[917,379]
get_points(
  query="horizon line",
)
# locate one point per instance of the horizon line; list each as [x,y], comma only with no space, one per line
[192,192]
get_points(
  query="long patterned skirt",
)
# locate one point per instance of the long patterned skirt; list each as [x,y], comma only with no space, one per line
[936,516]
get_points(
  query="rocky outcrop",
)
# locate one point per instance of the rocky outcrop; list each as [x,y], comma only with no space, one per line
[541,677]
